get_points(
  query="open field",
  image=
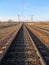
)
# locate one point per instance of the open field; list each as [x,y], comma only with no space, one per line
[7,24]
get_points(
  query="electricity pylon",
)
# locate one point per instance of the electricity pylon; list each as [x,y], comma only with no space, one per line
[18,18]
[32,18]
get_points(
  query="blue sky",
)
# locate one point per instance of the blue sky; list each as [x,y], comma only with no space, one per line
[25,8]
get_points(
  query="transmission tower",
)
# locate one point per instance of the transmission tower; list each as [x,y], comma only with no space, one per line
[32,18]
[18,18]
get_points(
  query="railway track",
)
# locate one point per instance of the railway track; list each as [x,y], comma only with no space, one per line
[45,31]
[41,35]
[22,51]
[7,40]
[41,47]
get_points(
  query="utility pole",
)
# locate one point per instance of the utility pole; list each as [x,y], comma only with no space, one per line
[32,18]
[18,18]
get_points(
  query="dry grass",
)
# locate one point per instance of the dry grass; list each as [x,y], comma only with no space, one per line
[42,24]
